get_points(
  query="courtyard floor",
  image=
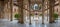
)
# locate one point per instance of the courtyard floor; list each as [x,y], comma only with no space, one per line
[7,23]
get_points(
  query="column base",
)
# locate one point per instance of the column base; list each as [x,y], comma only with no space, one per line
[42,23]
[21,22]
[29,23]
[52,22]
[11,20]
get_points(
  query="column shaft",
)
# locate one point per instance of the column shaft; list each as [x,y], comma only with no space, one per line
[51,11]
[11,8]
[20,3]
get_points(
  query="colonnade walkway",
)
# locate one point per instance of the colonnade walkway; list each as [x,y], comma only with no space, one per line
[7,23]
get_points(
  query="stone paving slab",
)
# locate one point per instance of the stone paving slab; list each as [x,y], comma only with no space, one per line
[5,23]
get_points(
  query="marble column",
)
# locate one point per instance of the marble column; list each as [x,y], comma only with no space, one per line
[42,11]
[11,8]
[51,11]
[1,9]
[20,3]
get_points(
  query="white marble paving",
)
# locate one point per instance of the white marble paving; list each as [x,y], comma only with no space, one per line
[7,23]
